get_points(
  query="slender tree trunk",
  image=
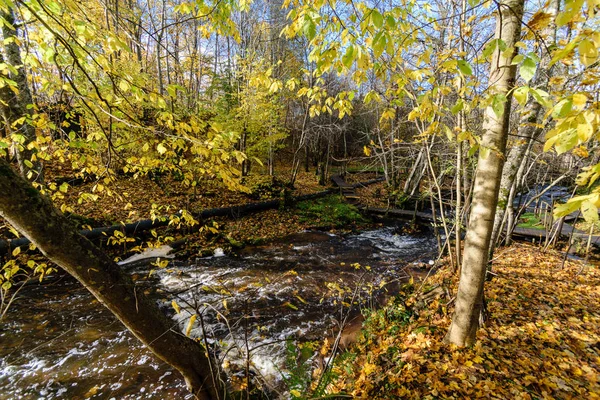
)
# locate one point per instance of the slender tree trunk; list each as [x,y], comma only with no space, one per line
[459,147]
[469,300]
[34,216]
[414,176]
[15,104]
[159,41]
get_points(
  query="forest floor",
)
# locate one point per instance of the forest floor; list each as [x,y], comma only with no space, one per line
[541,338]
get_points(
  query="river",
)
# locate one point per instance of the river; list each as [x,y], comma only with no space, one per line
[58,342]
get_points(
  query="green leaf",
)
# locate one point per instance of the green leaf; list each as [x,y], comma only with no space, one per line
[563,141]
[518,59]
[390,22]
[465,68]
[502,45]
[498,103]
[124,86]
[489,49]
[348,58]
[379,44]
[528,68]
[377,18]
[458,107]
[64,187]
[473,150]
[540,96]
[309,28]
[562,109]
[172,90]
[589,211]
[570,206]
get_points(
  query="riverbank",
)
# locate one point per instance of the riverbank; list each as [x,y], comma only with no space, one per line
[541,338]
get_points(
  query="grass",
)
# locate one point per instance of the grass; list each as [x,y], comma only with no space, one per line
[328,211]
[530,220]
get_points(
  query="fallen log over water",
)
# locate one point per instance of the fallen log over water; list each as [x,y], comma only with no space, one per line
[133,228]
[147,224]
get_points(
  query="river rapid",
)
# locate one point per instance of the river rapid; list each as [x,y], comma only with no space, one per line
[58,342]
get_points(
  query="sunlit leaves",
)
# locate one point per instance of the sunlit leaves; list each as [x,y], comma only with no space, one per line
[521,94]
[379,44]
[465,67]
[579,100]
[377,18]
[572,8]
[588,204]
[562,109]
[534,310]
[588,52]
[190,325]
[349,56]
[492,46]
[498,104]
[527,70]
[309,28]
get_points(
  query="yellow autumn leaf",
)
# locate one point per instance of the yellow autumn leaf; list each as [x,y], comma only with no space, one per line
[369,368]
[367,151]
[584,131]
[175,307]
[161,148]
[588,53]
[190,325]
[124,86]
[91,392]
[581,152]
[579,100]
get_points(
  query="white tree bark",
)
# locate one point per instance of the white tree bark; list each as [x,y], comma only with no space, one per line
[469,300]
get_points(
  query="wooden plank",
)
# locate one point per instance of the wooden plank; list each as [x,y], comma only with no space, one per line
[339,181]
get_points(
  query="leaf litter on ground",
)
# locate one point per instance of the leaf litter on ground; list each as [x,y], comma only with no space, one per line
[541,339]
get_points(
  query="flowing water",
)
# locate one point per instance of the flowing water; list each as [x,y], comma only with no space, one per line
[59,343]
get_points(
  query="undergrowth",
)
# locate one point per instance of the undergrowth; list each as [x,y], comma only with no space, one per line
[540,341]
[328,211]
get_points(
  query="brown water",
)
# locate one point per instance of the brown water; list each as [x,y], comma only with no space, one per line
[59,343]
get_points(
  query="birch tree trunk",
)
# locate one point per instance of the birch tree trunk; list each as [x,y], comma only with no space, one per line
[469,300]
[529,129]
[34,216]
